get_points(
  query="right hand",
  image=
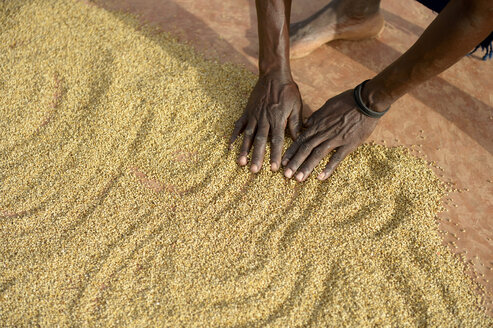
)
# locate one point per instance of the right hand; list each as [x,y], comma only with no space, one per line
[274,103]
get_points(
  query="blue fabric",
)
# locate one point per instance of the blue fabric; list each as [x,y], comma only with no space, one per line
[485,45]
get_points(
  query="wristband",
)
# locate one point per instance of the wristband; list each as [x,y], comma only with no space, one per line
[361,105]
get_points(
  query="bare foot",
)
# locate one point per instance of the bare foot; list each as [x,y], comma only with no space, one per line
[329,24]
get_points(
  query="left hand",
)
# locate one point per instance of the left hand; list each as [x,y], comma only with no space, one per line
[339,125]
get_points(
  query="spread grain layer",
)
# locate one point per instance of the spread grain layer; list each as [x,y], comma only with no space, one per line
[120,206]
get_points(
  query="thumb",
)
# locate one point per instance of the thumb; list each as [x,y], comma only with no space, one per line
[294,124]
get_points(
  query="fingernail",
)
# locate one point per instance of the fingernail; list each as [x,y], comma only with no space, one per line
[299,176]
[284,162]
[254,168]
[321,176]
[242,161]
[288,173]
[274,166]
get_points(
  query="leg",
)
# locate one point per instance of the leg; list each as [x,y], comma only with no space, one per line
[340,19]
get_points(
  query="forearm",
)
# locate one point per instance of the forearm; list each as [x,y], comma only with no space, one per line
[460,26]
[273,32]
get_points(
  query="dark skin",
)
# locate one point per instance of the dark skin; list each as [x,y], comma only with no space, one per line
[275,101]
[338,124]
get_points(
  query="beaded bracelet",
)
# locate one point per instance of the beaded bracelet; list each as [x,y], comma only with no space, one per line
[361,105]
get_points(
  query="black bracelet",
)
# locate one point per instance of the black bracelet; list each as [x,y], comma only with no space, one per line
[361,105]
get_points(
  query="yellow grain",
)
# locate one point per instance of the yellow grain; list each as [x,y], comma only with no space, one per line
[120,206]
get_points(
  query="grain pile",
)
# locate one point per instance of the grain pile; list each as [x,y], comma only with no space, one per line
[120,206]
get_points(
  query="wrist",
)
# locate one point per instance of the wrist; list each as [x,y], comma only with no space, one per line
[276,71]
[376,97]
[272,66]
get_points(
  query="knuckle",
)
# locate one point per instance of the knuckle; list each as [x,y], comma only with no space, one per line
[302,138]
[295,146]
[258,155]
[249,133]
[277,139]
[339,157]
[305,148]
[245,148]
[318,152]
[335,159]
[260,138]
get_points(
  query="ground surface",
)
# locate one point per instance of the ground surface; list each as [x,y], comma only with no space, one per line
[119,203]
[121,206]
[451,116]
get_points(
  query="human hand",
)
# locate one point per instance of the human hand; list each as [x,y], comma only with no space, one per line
[339,125]
[274,103]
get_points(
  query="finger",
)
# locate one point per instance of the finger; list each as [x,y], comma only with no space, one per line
[294,123]
[259,144]
[292,150]
[247,142]
[302,153]
[276,143]
[334,161]
[312,161]
[239,126]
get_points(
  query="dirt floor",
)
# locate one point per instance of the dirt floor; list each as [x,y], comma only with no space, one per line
[450,116]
